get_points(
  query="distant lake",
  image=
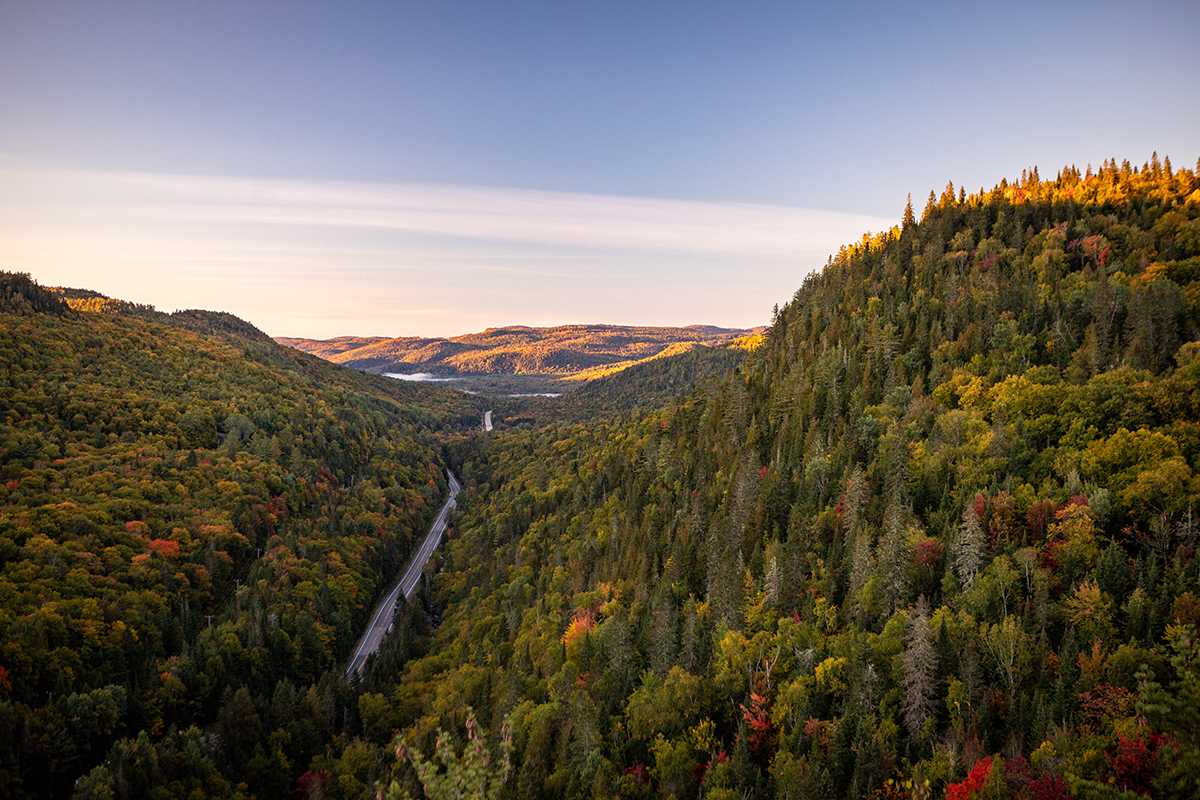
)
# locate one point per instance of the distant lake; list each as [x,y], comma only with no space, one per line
[490,385]
[420,377]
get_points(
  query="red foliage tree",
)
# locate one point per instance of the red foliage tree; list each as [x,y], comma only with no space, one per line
[1133,761]
[969,786]
[758,717]
[1037,519]
[1048,787]
[928,553]
[312,784]
[167,548]
[980,506]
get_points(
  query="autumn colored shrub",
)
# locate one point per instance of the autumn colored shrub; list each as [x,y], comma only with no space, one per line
[973,784]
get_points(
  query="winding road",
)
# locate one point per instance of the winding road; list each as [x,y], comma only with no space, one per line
[381,620]
[487,420]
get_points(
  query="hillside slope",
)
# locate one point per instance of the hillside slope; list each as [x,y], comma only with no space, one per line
[624,387]
[936,537]
[191,517]
[514,350]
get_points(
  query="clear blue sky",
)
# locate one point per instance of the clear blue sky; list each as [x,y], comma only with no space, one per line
[367,145]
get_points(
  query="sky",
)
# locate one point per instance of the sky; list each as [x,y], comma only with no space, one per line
[432,169]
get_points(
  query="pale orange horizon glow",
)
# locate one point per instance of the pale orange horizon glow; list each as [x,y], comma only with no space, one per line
[324,258]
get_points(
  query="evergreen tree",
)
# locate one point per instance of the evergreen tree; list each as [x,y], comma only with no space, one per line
[968,548]
[895,555]
[920,670]
[771,582]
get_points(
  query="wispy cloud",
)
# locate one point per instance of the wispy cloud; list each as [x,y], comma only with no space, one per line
[554,219]
[327,258]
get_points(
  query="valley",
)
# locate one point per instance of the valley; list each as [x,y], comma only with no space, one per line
[599,401]
[933,527]
[384,614]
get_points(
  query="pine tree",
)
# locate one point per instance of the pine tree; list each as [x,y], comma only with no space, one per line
[930,205]
[860,563]
[909,218]
[618,644]
[968,550]
[662,634]
[854,500]
[771,582]
[894,555]
[920,670]
[690,654]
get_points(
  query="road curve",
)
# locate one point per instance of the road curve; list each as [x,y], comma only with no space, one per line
[487,420]
[381,620]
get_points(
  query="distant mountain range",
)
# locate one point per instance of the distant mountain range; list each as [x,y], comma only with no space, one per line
[517,349]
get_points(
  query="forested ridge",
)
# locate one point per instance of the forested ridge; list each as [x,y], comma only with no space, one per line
[936,537]
[643,385]
[194,523]
[564,350]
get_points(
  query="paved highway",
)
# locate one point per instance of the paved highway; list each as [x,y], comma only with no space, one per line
[381,620]
[487,420]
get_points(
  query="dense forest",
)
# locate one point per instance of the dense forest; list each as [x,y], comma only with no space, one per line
[934,537]
[193,520]
[625,389]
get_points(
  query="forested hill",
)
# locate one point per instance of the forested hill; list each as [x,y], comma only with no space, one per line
[516,349]
[625,388]
[936,537]
[194,522]
[86,300]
